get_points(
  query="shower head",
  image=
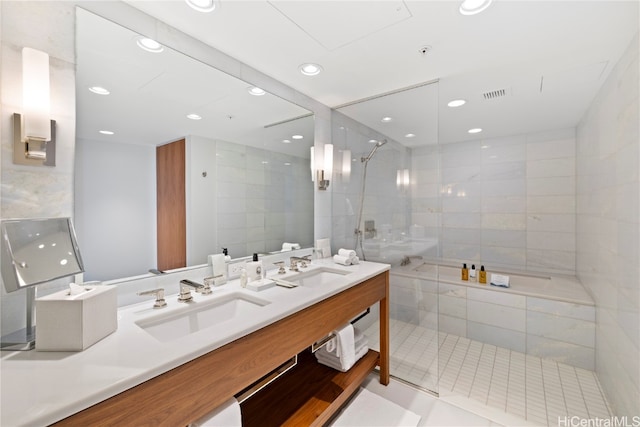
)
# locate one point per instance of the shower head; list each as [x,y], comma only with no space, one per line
[373,151]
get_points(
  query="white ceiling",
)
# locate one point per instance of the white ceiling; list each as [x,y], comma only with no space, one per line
[152,93]
[549,56]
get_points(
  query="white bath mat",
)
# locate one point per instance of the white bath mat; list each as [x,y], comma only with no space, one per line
[368,409]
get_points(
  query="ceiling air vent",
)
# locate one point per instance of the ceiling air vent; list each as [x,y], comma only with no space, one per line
[494,94]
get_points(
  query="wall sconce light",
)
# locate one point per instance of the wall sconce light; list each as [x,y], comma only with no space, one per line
[346,165]
[402,179]
[34,131]
[322,168]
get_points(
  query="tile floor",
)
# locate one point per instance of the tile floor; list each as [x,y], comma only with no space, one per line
[491,380]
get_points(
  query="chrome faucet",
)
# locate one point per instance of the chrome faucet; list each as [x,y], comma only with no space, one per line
[185,289]
[294,260]
[407,259]
[159,293]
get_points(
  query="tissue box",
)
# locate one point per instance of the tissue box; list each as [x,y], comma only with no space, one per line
[75,322]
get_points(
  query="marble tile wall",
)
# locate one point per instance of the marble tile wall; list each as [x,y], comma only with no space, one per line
[27,191]
[560,331]
[608,228]
[264,199]
[506,202]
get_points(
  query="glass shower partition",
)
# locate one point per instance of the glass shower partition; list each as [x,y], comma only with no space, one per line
[385,206]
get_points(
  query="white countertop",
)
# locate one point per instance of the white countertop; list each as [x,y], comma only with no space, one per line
[39,388]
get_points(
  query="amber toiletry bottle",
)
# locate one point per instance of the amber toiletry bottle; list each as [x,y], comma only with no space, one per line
[482,276]
[465,272]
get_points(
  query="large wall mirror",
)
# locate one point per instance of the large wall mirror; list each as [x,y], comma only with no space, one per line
[246,159]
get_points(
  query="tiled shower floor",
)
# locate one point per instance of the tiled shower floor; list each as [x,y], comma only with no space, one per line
[535,389]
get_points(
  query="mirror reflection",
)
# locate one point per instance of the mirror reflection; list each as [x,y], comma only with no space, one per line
[245,160]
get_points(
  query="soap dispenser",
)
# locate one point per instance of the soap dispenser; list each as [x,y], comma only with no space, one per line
[225,251]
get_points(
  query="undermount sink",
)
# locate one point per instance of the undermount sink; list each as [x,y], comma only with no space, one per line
[318,277]
[200,315]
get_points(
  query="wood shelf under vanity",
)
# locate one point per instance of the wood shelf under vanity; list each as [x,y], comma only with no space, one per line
[307,395]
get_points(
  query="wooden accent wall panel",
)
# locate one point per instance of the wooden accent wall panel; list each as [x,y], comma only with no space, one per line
[171,205]
[192,390]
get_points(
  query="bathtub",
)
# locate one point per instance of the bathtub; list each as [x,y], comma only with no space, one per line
[542,315]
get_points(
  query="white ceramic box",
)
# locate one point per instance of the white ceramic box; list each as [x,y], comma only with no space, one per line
[75,322]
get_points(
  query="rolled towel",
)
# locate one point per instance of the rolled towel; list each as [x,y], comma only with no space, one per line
[347,252]
[337,364]
[339,259]
[354,260]
[286,246]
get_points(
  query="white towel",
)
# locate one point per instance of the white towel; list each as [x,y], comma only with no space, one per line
[335,363]
[339,259]
[355,260]
[346,350]
[286,246]
[347,252]
[226,415]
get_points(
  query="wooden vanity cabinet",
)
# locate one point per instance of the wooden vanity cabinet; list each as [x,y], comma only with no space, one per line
[192,390]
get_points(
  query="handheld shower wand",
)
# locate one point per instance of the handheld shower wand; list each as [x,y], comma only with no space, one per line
[364,160]
[373,151]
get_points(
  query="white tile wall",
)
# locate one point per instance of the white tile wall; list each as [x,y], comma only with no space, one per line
[502,194]
[608,232]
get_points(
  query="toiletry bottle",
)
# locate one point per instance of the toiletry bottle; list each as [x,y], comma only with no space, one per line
[465,272]
[243,278]
[225,251]
[254,269]
[483,275]
[472,273]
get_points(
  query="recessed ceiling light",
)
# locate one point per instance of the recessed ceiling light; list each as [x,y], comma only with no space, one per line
[475,130]
[99,90]
[386,119]
[297,137]
[472,7]
[203,5]
[287,164]
[373,141]
[410,135]
[149,45]
[456,103]
[264,162]
[193,116]
[310,69]
[253,90]
[286,141]
[106,132]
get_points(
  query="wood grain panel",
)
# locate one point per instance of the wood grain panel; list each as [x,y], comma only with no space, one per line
[171,205]
[192,390]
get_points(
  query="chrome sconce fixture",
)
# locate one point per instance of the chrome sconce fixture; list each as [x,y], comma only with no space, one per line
[322,168]
[33,130]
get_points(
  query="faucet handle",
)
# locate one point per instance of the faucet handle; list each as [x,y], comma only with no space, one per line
[159,293]
[281,269]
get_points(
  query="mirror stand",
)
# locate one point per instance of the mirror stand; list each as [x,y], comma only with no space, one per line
[23,339]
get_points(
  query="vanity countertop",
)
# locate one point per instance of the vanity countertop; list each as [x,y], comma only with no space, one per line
[39,388]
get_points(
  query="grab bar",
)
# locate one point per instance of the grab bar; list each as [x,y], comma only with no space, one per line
[267,379]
